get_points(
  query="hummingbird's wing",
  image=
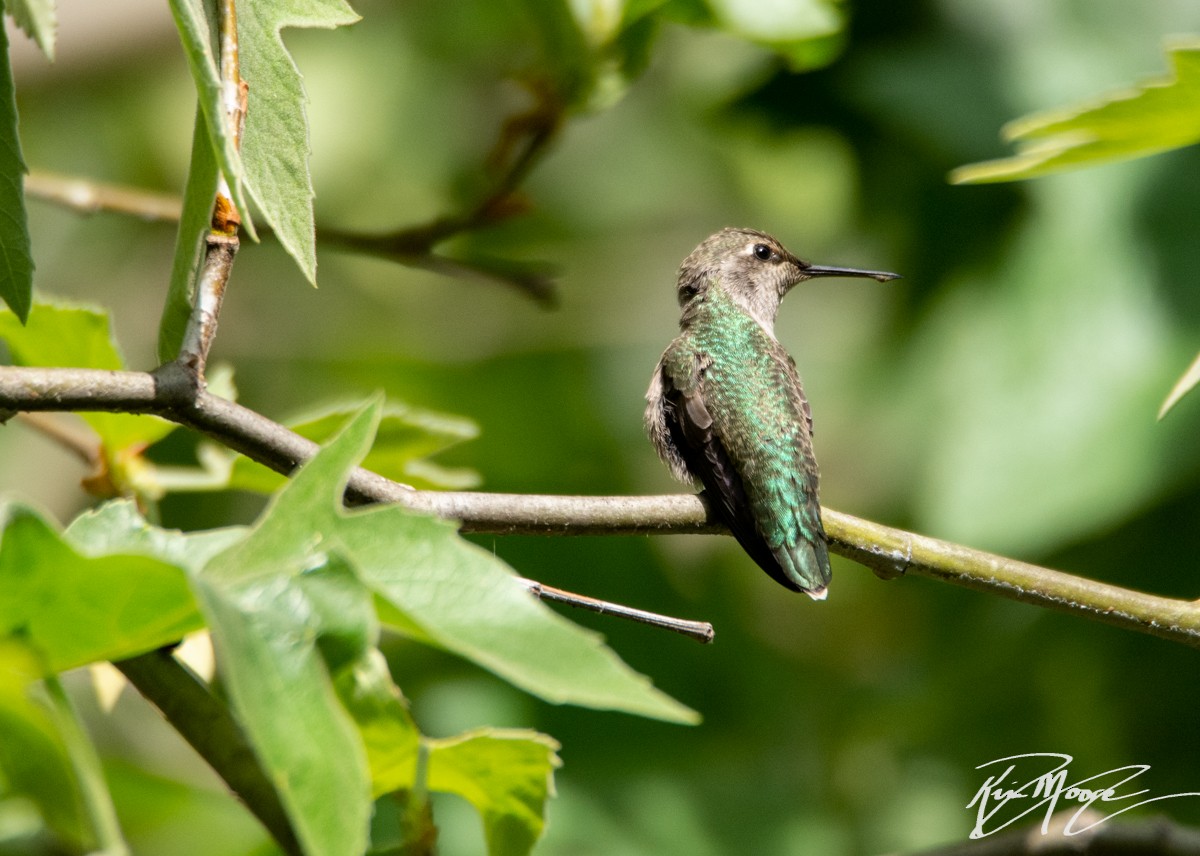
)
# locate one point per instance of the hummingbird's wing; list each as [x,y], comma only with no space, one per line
[691,436]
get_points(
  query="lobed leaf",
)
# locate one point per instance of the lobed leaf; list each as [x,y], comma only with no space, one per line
[275,142]
[1147,119]
[507,774]
[405,438]
[75,609]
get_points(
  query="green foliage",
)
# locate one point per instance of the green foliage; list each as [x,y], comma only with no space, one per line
[75,609]
[405,438]
[16,263]
[506,775]
[275,145]
[1153,117]
[291,606]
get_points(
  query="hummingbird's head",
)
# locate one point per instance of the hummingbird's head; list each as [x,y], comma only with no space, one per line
[754,269]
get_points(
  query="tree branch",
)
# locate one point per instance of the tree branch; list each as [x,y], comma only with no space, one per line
[205,723]
[887,551]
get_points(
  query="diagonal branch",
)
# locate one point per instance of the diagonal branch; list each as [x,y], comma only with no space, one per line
[887,551]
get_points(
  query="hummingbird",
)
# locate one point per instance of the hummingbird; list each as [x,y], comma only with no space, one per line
[726,407]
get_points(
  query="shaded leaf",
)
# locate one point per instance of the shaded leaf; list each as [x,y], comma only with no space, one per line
[1149,118]
[507,774]
[1182,387]
[275,142]
[388,731]
[75,609]
[406,436]
[16,259]
[64,334]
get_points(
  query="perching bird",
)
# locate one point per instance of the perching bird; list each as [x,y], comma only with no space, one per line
[726,408]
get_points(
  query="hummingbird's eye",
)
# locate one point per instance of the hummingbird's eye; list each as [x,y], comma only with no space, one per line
[762,252]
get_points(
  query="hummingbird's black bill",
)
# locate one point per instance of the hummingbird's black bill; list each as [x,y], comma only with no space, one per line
[878,275]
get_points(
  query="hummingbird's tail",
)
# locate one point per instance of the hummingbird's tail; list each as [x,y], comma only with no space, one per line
[806,566]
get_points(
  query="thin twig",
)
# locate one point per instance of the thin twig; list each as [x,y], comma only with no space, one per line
[701,631]
[889,552]
[411,246]
[219,252]
[90,197]
[80,443]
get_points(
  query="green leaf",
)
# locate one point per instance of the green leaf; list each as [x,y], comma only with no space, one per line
[199,36]
[116,527]
[1182,387]
[406,437]
[387,729]
[194,224]
[74,609]
[445,591]
[16,259]
[507,774]
[33,759]
[275,143]
[63,334]
[1153,117]
[38,19]
[285,609]
[271,623]
[808,33]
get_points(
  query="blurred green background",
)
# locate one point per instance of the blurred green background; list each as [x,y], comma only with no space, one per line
[1001,395]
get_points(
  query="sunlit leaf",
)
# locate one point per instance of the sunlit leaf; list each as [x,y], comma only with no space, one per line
[74,609]
[1182,387]
[406,437]
[275,145]
[507,774]
[277,626]
[1149,118]
[117,527]
[441,589]
[16,260]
